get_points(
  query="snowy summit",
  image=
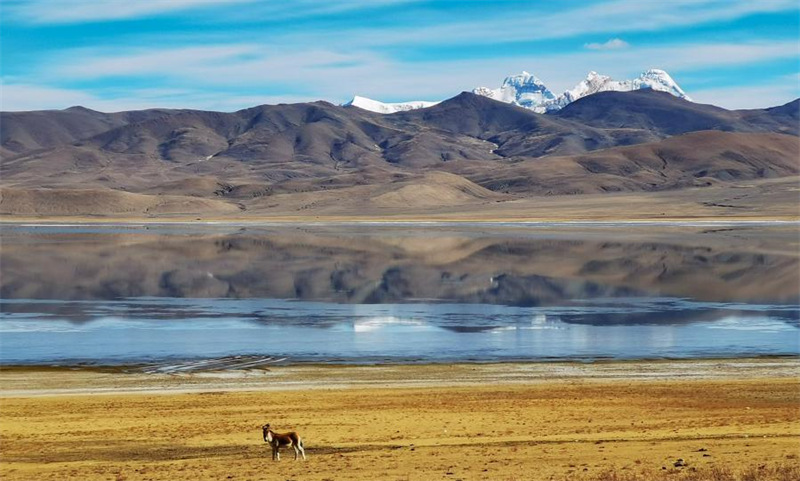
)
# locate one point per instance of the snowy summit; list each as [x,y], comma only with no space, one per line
[387,108]
[528,91]
[525,90]
[517,93]
[654,79]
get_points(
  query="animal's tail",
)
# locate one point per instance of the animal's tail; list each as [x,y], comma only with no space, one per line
[300,442]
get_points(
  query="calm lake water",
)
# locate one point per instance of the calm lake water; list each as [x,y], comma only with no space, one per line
[166,294]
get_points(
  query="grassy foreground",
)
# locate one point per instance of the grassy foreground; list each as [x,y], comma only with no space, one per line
[566,428]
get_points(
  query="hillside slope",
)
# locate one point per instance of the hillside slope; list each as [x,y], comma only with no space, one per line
[466,150]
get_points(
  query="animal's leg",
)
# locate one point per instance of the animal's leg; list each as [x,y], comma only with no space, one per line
[302,451]
[296,451]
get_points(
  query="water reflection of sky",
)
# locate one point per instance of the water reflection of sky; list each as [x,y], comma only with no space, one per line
[148,329]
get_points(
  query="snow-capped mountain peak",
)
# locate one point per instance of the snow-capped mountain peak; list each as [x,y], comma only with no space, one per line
[658,79]
[594,82]
[528,91]
[522,79]
[387,108]
[655,79]
[525,90]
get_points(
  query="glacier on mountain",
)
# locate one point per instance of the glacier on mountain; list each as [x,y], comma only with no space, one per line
[528,91]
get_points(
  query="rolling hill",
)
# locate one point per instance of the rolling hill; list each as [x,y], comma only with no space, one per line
[465,150]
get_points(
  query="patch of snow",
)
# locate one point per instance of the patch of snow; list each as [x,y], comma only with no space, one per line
[387,108]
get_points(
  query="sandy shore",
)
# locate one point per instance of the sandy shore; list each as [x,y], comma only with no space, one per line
[726,419]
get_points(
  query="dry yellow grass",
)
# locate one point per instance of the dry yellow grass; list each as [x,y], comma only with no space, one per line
[571,428]
[436,197]
[71,202]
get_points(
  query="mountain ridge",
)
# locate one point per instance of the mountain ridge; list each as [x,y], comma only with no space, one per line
[298,155]
[528,91]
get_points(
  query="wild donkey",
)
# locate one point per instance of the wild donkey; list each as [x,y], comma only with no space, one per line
[277,441]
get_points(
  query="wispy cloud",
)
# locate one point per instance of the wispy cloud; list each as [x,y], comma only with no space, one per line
[16,97]
[185,61]
[603,17]
[80,11]
[206,50]
[749,97]
[38,97]
[77,11]
[338,74]
[613,44]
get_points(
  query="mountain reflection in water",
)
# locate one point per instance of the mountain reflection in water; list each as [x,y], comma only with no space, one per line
[518,267]
[125,294]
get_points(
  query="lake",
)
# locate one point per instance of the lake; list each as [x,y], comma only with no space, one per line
[184,295]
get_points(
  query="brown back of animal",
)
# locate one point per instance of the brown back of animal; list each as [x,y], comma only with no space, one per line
[278,440]
[285,439]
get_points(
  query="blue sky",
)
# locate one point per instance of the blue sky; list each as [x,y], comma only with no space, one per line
[229,54]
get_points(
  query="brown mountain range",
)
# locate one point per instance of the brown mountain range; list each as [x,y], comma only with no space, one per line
[298,158]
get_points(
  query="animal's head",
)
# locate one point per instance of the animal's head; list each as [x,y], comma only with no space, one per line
[265,429]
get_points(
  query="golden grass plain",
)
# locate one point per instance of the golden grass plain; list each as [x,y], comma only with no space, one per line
[377,423]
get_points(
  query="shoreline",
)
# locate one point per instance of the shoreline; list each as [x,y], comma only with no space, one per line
[403,221]
[44,381]
[271,361]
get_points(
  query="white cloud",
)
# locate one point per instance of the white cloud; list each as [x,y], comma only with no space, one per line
[99,63]
[613,44]
[324,72]
[38,97]
[608,16]
[604,17]
[76,11]
[336,75]
[750,97]
[315,64]
[80,11]
[16,97]
[393,81]
[560,72]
